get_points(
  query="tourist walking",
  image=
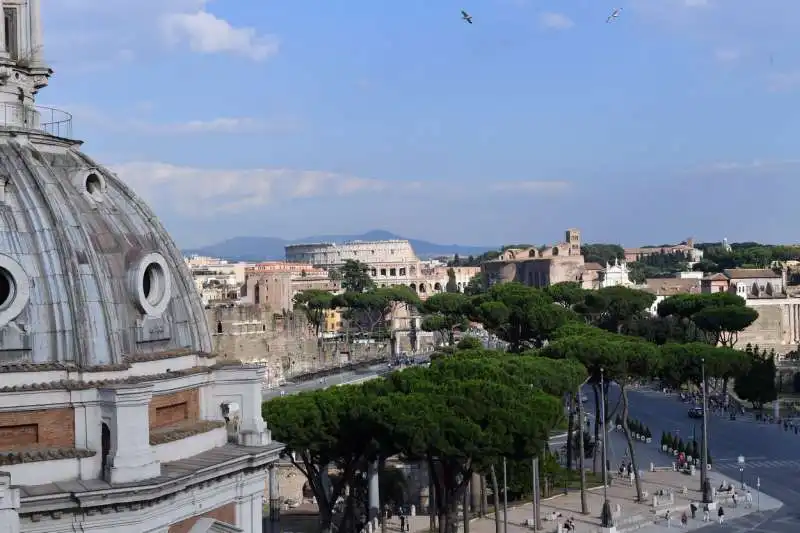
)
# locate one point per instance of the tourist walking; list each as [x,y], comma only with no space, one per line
[721,515]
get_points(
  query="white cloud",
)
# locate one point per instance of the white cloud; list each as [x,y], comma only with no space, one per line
[201,192]
[207,34]
[545,187]
[143,124]
[91,35]
[555,21]
[740,167]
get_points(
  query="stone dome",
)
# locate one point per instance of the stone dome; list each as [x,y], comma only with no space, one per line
[88,275]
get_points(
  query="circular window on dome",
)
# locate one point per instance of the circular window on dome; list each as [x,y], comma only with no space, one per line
[14,289]
[151,284]
[95,186]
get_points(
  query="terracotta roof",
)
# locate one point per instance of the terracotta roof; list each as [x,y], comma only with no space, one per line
[593,266]
[716,277]
[670,286]
[750,273]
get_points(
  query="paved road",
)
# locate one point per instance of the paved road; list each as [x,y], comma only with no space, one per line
[771,454]
[336,379]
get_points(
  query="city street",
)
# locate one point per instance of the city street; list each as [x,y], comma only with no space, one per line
[337,379]
[771,454]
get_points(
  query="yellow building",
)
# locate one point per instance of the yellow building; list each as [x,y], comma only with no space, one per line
[333,321]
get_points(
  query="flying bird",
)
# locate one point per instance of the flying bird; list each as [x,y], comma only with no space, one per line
[466,16]
[614,15]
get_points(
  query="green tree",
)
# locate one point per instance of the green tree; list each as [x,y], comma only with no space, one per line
[355,276]
[568,293]
[476,285]
[461,426]
[617,358]
[469,343]
[368,311]
[332,427]
[757,385]
[682,363]
[444,312]
[313,303]
[452,285]
[611,308]
[522,316]
[602,253]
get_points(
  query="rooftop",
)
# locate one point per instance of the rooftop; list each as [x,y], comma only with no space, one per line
[750,273]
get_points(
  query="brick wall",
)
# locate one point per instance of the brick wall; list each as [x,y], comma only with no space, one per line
[171,409]
[226,513]
[51,428]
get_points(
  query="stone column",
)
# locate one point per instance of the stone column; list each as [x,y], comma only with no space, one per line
[373,490]
[3,51]
[274,494]
[37,41]
[9,505]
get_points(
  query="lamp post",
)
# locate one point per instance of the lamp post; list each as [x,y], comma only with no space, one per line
[705,484]
[605,515]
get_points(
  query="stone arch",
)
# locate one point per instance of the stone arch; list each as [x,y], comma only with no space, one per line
[555,250]
[422,288]
[755,289]
[532,252]
[437,287]
[307,492]
[413,287]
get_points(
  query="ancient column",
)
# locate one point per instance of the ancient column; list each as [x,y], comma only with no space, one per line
[373,488]
[3,51]
[274,494]
[37,42]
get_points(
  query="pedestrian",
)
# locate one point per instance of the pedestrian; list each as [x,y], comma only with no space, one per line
[668,518]
[693,509]
[684,519]
[402,522]
[748,498]
[630,474]
[706,516]
[721,514]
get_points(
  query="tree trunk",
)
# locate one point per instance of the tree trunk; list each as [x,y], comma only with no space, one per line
[433,501]
[581,458]
[465,504]
[634,465]
[570,430]
[484,497]
[496,501]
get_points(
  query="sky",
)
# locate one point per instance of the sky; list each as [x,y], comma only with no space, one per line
[287,119]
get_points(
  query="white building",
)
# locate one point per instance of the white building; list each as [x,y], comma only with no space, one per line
[616,274]
[114,415]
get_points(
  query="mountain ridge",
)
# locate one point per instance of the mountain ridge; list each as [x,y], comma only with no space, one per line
[249,248]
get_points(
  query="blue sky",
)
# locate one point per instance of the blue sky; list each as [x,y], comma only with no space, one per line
[287,119]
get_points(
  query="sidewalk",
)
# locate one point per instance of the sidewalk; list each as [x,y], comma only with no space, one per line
[641,517]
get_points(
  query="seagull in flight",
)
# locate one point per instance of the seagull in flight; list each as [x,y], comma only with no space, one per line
[466,16]
[614,15]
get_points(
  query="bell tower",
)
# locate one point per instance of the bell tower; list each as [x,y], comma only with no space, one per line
[22,67]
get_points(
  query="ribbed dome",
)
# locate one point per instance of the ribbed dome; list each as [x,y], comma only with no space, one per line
[87,273]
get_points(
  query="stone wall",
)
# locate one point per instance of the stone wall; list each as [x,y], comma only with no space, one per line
[777,326]
[287,346]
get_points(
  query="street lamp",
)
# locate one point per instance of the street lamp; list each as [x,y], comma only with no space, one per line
[705,484]
[605,515]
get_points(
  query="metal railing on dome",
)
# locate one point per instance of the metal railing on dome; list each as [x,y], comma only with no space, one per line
[46,119]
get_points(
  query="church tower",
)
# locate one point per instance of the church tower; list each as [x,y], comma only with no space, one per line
[22,67]
[573,238]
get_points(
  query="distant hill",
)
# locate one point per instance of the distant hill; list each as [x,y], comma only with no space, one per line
[272,248]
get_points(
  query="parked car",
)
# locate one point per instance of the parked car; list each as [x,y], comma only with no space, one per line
[696,412]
